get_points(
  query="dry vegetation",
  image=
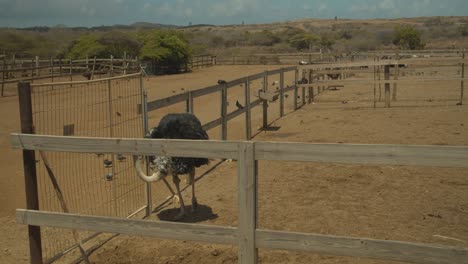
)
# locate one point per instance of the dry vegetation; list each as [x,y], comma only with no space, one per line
[339,36]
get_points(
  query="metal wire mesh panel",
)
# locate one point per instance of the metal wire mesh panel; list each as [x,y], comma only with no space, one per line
[93,184]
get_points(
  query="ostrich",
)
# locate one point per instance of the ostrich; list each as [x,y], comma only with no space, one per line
[175,126]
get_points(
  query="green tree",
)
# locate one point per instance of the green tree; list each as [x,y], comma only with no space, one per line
[407,37]
[105,45]
[167,50]
[86,45]
[120,43]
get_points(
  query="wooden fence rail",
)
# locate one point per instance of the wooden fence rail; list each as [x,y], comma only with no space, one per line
[223,88]
[247,236]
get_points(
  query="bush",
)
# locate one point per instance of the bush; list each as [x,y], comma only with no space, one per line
[303,41]
[463,30]
[87,45]
[168,50]
[263,38]
[407,37]
[111,43]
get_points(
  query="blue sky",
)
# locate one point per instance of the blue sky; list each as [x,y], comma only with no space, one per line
[23,13]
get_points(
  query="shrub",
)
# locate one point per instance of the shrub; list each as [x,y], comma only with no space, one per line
[407,37]
[168,50]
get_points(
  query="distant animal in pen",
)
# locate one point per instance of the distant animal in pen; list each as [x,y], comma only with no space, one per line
[175,126]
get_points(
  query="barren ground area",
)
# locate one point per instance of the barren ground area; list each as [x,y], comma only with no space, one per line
[408,203]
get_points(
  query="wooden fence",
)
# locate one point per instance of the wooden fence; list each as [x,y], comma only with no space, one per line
[15,70]
[202,61]
[189,96]
[273,58]
[246,235]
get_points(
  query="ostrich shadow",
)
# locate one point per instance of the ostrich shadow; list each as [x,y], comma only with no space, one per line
[201,214]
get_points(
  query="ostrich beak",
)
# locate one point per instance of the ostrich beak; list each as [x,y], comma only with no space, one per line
[154,177]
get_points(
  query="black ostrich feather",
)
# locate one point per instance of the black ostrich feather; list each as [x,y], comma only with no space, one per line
[178,126]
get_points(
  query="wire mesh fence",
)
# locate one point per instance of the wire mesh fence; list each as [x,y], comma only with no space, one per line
[92,184]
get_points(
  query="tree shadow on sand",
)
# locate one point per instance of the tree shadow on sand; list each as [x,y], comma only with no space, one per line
[202,213]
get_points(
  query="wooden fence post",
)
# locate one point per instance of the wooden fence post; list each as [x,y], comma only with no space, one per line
[379,70]
[30,177]
[71,71]
[189,103]
[37,66]
[248,117]
[311,88]
[247,168]
[387,85]
[224,112]
[265,102]
[4,73]
[52,68]
[281,92]
[462,83]
[396,73]
[375,86]
[303,96]
[60,67]
[32,69]
[124,63]
[111,66]
[295,88]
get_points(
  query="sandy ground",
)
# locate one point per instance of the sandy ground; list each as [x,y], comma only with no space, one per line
[384,202]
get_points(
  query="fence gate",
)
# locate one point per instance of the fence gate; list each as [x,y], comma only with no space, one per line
[94,184]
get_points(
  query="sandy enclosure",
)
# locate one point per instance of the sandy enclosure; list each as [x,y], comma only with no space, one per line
[418,204]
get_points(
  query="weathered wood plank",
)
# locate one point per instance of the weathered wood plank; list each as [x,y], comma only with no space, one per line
[212,124]
[361,247]
[175,148]
[445,156]
[348,64]
[205,91]
[147,228]
[248,117]
[86,82]
[217,122]
[29,167]
[247,199]
[160,103]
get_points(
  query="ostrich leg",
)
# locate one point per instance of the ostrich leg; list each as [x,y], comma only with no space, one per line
[176,181]
[194,199]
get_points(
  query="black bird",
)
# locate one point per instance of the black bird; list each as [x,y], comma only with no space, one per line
[107,163]
[121,157]
[176,126]
[222,82]
[109,176]
[87,75]
[118,114]
[286,95]
[239,105]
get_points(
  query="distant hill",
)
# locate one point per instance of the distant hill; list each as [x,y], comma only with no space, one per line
[338,35]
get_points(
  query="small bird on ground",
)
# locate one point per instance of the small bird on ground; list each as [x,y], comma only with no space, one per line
[121,157]
[239,105]
[107,163]
[109,176]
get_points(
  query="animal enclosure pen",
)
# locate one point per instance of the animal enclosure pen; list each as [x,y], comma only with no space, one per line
[96,184]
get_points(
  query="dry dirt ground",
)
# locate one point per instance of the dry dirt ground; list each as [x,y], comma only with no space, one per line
[417,204]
